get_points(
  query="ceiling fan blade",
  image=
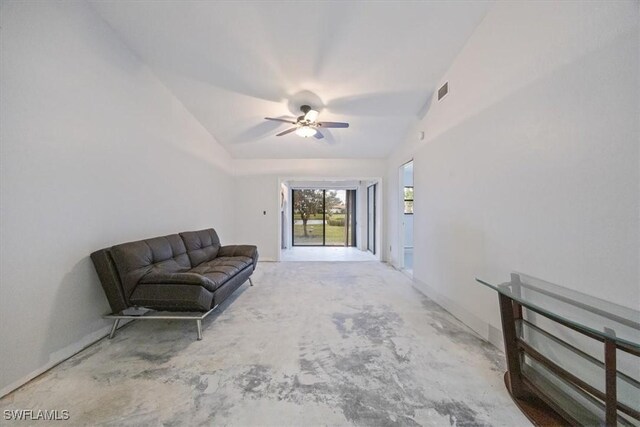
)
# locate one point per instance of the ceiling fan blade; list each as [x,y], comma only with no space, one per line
[333,124]
[287,131]
[318,135]
[311,116]
[281,120]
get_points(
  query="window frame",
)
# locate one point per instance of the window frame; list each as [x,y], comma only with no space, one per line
[405,199]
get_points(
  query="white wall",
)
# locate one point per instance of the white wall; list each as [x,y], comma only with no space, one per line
[285,209]
[94,151]
[257,214]
[309,168]
[531,163]
[258,186]
[408,231]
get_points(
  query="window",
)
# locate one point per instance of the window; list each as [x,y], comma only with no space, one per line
[323,217]
[408,200]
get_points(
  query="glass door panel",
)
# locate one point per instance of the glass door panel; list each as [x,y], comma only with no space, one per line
[308,217]
[323,217]
[336,218]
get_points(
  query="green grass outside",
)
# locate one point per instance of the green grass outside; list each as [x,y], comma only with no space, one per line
[334,235]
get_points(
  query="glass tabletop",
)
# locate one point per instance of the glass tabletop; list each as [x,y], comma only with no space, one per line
[594,315]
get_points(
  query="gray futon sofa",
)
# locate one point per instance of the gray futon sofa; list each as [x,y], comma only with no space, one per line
[185,272]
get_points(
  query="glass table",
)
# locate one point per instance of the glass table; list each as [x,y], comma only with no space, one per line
[572,358]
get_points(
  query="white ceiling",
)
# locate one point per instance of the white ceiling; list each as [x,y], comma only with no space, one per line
[372,64]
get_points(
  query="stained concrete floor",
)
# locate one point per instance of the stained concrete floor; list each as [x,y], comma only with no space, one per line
[310,344]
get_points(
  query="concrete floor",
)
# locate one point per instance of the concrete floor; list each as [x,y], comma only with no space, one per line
[310,344]
[325,253]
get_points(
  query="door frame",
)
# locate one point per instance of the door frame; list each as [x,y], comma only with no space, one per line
[371,246]
[293,182]
[401,230]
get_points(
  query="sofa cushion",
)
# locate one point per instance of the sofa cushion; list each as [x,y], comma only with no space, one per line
[202,246]
[220,270]
[181,278]
[172,297]
[250,251]
[136,259]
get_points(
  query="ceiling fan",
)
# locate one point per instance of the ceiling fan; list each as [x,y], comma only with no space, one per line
[306,124]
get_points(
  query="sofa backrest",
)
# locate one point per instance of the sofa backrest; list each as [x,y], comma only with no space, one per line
[135,259]
[202,245]
[121,267]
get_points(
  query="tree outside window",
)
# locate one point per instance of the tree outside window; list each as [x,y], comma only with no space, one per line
[311,204]
[408,200]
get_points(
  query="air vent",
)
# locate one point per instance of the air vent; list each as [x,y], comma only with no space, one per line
[443,91]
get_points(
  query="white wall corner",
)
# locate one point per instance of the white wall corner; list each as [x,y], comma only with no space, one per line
[485,330]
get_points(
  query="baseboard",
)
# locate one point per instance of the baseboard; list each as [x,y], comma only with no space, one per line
[60,356]
[495,337]
[486,331]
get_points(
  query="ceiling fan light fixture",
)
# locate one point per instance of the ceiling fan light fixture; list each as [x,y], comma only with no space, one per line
[311,116]
[306,131]
[307,124]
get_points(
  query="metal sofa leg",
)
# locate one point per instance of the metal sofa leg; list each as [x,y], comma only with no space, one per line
[116,322]
[199,325]
[250,281]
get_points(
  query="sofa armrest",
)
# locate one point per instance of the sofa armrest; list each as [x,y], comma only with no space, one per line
[110,280]
[240,250]
[160,278]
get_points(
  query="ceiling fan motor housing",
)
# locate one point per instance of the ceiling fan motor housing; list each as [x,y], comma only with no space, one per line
[304,119]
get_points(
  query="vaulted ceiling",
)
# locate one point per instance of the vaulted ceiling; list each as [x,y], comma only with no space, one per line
[372,64]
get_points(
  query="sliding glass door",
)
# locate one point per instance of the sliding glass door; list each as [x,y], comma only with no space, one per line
[323,217]
[371,218]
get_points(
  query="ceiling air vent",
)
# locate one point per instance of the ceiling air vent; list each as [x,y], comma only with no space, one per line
[443,91]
